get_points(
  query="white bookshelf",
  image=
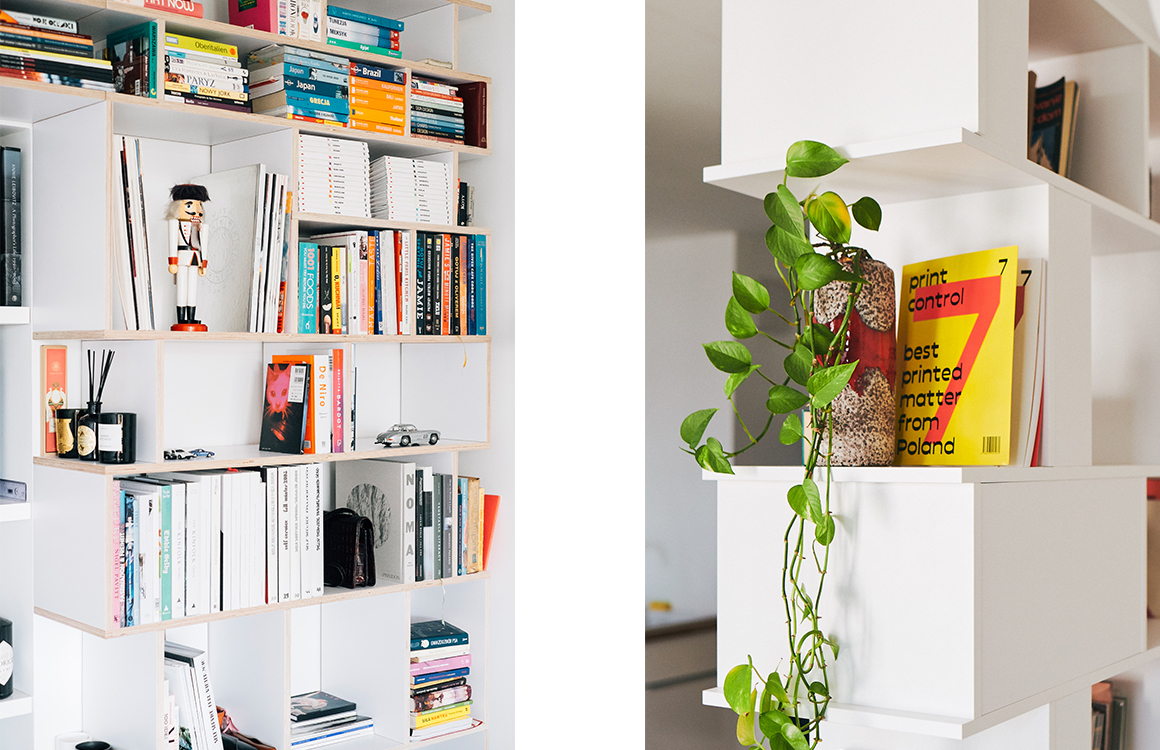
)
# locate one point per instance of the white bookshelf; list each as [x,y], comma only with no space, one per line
[349,642]
[973,601]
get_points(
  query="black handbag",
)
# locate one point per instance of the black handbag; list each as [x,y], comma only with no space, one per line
[348,549]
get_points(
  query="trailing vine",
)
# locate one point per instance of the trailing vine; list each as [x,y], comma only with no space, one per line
[785,708]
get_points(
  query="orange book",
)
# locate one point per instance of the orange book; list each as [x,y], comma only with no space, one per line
[376,115]
[370,83]
[357,87]
[54,386]
[490,511]
[373,102]
[376,127]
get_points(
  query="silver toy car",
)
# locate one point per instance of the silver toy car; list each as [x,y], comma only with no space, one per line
[407,434]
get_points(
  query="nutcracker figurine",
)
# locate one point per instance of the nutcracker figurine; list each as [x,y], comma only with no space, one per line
[188,240]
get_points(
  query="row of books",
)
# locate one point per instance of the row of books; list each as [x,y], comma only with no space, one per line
[49,50]
[11,247]
[333,176]
[299,84]
[300,19]
[440,667]
[190,719]
[318,719]
[133,262]
[436,110]
[195,543]
[363,31]
[450,284]
[415,190]
[444,519]
[318,416]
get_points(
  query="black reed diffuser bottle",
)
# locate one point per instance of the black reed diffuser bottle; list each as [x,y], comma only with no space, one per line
[87,428]
[5,658]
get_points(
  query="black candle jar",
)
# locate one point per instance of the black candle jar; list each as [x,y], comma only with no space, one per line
[6,668]
[66,432]
[117,437]
[87,424]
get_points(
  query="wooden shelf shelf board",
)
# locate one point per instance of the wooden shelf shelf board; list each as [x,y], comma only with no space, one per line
[942,164]
[290,338]
[239,456]
[332,594]
[378,742]
[327,221]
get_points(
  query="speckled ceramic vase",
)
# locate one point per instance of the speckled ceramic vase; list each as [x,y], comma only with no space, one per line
[864,410]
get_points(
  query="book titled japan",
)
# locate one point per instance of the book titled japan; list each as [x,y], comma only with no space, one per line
[316,705]
[955,335]
[284,410]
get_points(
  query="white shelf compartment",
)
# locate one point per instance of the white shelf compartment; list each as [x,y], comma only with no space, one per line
[17,704]
[1013,616]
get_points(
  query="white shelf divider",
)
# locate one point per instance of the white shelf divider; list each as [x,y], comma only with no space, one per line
[13,316]
[15,512]
[17,704]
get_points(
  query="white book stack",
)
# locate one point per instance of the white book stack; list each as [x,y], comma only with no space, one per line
[412,190]
[333,176]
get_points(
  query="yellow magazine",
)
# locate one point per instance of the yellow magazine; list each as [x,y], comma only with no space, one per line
[955,335]
[193,44]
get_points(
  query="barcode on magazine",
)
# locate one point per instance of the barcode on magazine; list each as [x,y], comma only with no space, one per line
[991,444]
[297,383]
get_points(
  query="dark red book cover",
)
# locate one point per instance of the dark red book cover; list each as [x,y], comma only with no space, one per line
[284,412]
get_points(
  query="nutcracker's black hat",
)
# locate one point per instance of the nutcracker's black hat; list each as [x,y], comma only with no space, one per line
[189,193]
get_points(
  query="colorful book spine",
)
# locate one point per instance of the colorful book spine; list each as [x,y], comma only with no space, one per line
[379,250]
[334,23]
[177,41]
[376,40]
[422,679]
[308,287]
[481,284]
[166,553]
[38,20]
[367,18]
[339,401]
[368,48]
[304,102]
[315,88]
[336,275]
[372,281]
[303,70]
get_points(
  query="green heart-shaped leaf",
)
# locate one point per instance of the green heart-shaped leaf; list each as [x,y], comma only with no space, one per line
[785,212]
[867,213]
[815,500]
[811,159]
[770,722]
[817,337]
[819,688]
[745,729]
[777,689]
[750,293]
[694,426]
[737,378]
[786,246]
[738,684]
[738,322]
[796,497]
[825,385]
[783,399]
[824,533]
[791,430]
[794,736]
[711,456]
[830,217]
[728,356]
[798,364]
[815,271]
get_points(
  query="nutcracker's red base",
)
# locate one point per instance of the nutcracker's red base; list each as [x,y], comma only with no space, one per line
[188,327]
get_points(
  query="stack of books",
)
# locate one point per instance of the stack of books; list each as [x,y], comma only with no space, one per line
[205,73]
[440,666]
[412,190]
[48,50]
[192,712]
[300,84]
[362,31]
[333,176]
[318,719]
[436,110]
[132,52]
[378,98]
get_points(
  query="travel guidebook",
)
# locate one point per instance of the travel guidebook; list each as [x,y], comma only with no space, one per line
[955,336]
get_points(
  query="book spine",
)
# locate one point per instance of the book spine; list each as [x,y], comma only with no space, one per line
[442,641]
[457,281]
[338,373]
[330,91]
[11,263]
[132,535]
[481,284]
[380,83]
[308,288]
[336,22]
[461,524]
[314,475]
[270,537]
[449,122]
[403,277]
[207,706]
[416,477]
[374,40]
[420,277]
[33,42]
[450,543]
[175,64]
[178,545]
[307,511]
[194,559]
[386,117]
[375,127]
[196,83]
[210,91]
[372,49]
[437,525]
[304,71]
[375,248]
[189,56]
[215,541]
[325,305]
[116,526]
[296,514]
[472,328]
[334,11]
[365,99]
[336,256]
[410,533]
[192,44]
[166,554]
[285,529]
[42,22]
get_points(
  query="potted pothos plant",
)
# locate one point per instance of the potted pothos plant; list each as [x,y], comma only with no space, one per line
[785,708]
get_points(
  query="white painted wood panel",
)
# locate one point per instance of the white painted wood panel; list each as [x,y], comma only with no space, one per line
[122,690]
[249,668]
[445,388]
[70,515]
[1071,721]
[430,34]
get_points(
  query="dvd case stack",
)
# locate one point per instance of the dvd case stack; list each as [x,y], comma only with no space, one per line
[333,176]
[300,84]
[412,190]
[205,73]
[48,50]
[436,110]
[378,98]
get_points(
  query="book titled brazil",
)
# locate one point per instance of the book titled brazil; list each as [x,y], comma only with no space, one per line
[955,338]
[284,410]
[310,706]
[434,634]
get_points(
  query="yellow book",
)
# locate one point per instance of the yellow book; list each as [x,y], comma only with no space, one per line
[187,88]
[200,45]
[431,718]
[337,268]
[955,335]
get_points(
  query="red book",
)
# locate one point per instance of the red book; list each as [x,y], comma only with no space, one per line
[490,510]
[180,7]
[339,401]
[261,15]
